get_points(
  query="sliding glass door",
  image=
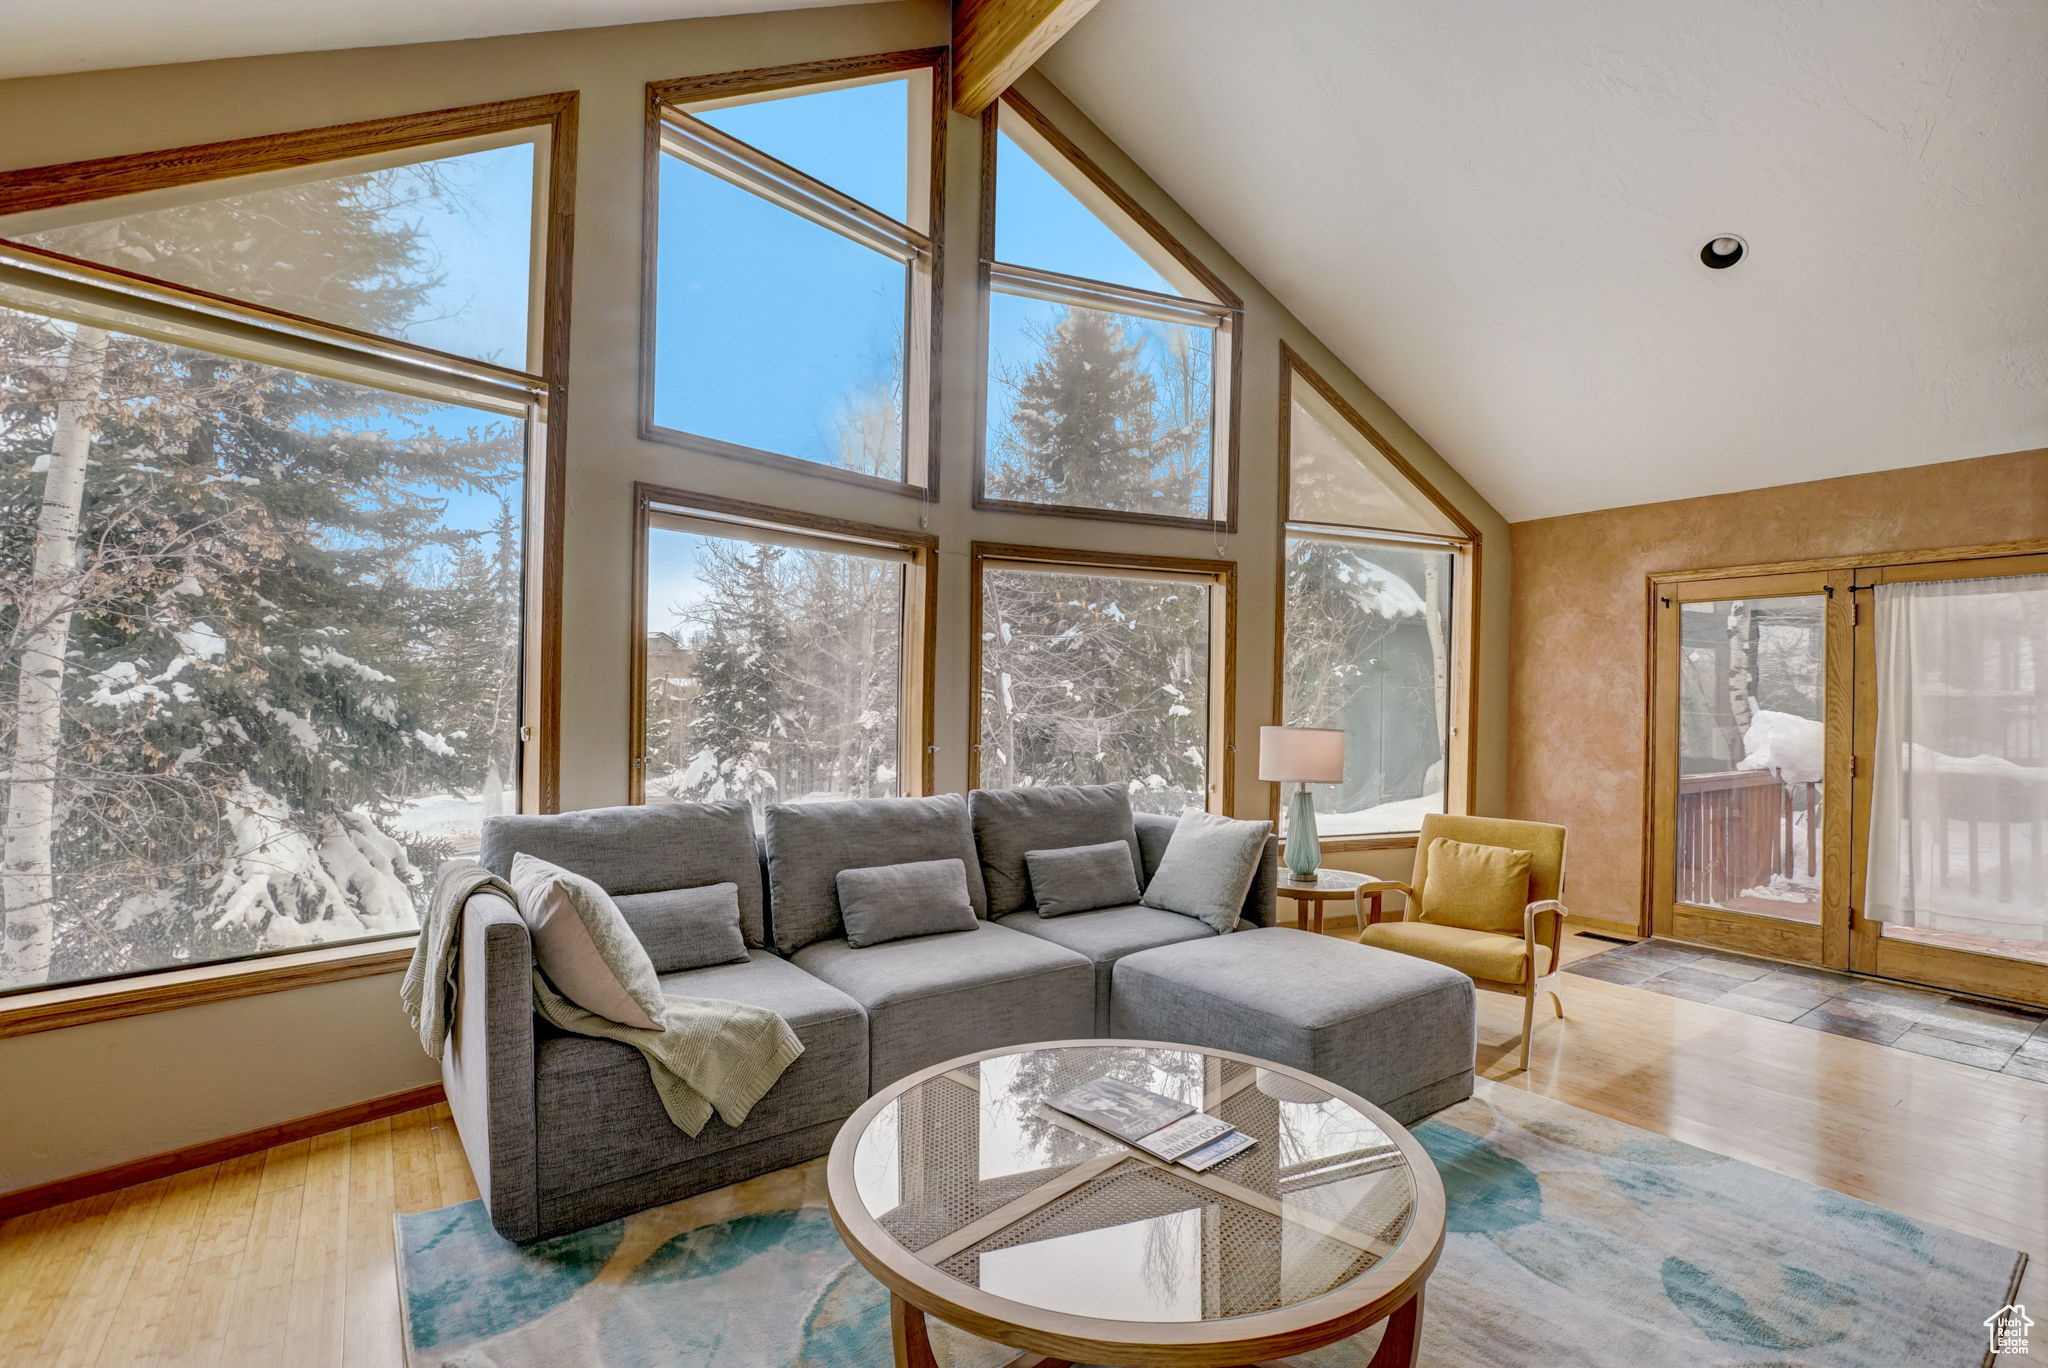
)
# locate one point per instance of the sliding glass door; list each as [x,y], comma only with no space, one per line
[1849,767]
[1750,742]
[1951,745]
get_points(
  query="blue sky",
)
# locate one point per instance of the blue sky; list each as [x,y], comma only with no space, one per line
[770,329]
[1039,224]
[481,239]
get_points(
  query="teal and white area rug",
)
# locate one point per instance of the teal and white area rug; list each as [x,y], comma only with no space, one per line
[1573,1240]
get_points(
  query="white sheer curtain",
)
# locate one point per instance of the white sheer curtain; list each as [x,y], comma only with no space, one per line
[1959,800]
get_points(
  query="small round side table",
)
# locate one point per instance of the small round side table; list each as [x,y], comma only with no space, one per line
[1326,885]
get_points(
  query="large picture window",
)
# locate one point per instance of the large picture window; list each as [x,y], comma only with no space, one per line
[1109,354]
[262,585]
[1374,569]
[781,658]
[1103,670]
[794,274]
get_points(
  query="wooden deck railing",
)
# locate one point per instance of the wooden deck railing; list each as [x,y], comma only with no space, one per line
[1736,830]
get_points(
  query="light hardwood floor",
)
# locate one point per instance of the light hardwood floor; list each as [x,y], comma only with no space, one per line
[285,1257]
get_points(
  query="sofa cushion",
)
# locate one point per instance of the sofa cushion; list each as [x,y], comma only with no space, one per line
[894,902]
[1398,1031]
[687,928]
[1010,822]
[584,945]
[1106,936]
[641,850]
[809,843]
[1082,878]
[599,1119]
[935,997]
[1208,867]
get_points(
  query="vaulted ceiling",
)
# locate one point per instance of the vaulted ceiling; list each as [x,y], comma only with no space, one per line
[43,37]
[1493,212]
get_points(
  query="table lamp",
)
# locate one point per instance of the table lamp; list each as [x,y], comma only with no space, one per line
[1302,756]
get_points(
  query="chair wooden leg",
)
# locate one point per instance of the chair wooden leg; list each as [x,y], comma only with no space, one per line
[1556,1002]
[1528,1022]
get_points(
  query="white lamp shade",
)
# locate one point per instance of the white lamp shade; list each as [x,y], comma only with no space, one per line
[1309,755]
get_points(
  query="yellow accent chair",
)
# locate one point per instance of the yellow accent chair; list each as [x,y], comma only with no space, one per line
[1495,940]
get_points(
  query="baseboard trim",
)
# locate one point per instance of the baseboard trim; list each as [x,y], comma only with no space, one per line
[1600,926]
[116,1176]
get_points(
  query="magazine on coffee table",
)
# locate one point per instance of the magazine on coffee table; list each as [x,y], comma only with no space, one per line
[1158,1125]
[1216,1151]
[1126,1112]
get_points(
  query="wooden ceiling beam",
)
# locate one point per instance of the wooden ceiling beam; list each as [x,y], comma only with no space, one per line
[996,41]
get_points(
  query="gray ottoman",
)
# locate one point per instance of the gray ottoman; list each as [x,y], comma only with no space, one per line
[1398,1031]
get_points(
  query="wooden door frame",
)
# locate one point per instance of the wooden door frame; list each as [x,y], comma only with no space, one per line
[1871,952]
[1828,942]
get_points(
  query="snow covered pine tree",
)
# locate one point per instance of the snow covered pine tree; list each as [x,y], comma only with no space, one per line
[240,632]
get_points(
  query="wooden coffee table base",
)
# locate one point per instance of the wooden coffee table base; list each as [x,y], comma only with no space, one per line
[1400,1346]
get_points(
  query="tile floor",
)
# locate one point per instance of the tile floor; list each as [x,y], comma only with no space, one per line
[2000,1039]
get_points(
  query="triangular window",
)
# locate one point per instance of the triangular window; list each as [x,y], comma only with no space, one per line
[1043,223]
[1338,478]
[1109,350]
[432,250]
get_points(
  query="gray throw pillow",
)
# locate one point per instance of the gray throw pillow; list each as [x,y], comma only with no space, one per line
[584,946]
[1082,878]
[687,928]
[1208,867]
[893,902]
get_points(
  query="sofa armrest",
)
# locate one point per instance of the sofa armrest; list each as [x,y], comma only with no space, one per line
[488,1065]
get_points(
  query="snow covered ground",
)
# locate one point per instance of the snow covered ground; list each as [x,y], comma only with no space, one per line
[1401,814]
[443,816]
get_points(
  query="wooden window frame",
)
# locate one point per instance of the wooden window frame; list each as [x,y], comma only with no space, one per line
[1222,747]
[920,620]
[284,338]
[920,249]
[1461,757]
[1224,311]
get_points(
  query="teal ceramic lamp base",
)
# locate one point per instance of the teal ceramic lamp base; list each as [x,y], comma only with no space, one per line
[1304,850]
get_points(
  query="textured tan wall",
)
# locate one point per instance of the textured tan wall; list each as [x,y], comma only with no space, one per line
[1580,610]
[95,1095]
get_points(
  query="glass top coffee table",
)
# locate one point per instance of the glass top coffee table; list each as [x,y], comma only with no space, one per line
[972,1201]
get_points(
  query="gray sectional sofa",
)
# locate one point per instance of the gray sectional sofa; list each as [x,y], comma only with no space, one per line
[564,1130]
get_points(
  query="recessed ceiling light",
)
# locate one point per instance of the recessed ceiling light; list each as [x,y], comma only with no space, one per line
[1722,252]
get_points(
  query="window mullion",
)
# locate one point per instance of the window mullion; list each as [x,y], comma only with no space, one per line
[1029,283]
[46,283]
[1378,536]
[718,153]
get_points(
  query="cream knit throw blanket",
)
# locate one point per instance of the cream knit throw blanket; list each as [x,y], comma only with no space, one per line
[709,1055]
